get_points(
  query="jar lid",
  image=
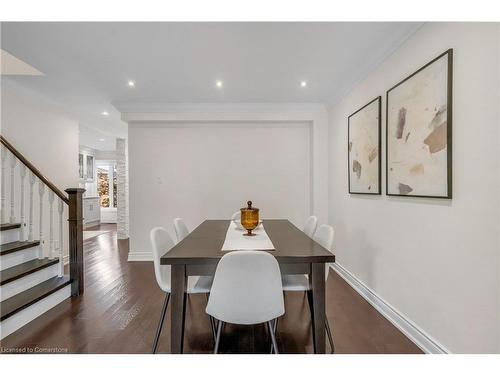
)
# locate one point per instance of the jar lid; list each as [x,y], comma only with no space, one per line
[249,207]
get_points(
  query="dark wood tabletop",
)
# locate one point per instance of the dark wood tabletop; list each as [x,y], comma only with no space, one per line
[204,244]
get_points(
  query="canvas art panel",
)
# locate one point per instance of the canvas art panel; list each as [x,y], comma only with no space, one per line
[364,149]
[419,132]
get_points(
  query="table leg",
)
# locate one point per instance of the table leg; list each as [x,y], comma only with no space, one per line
[318,291]
[178,280]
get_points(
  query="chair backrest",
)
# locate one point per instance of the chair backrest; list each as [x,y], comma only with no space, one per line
[246,289]
[181,230]
[310,226]
[161,242]
[324,236]
[236,216]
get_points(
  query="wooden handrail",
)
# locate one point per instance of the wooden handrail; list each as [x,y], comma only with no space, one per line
[35,171]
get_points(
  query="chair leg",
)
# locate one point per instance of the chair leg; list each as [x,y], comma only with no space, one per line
[329,333]
[217,337]
[311,308]
[275,330]
[212,321]
[160,324]
[273,337]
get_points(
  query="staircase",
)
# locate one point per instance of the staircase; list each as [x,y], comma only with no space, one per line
[32,276]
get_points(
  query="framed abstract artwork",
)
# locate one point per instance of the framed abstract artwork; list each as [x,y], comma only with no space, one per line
[364,144]
[418,132]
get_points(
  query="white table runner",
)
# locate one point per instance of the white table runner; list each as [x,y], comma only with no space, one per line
[235,240]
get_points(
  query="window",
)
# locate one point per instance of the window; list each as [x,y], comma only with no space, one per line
[106,184]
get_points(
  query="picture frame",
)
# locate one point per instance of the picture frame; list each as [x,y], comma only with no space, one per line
[419,132]
[364,145]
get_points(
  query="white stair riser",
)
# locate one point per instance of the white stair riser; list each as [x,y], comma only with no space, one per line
[18,257]
[10,235]
[25,316]
[28,281]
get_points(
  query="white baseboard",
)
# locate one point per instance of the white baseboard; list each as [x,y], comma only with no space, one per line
[423,340]
[140,256]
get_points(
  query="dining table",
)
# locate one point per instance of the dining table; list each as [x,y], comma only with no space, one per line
[199,253]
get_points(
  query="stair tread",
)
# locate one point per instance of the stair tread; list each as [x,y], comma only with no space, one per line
[13,273]
[11,247]
[8,226]
[30,296]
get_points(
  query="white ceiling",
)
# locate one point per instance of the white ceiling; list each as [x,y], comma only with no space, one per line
[87,65]
[94,138]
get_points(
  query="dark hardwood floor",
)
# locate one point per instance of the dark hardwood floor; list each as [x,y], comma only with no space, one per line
[120,308]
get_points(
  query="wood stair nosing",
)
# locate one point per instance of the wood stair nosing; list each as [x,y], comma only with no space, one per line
[12,247]
[16,272]
[9,226]
[30,296]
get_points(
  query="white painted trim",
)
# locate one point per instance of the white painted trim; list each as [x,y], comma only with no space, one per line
[11,235]
[164,107]
[416,334]
[25,316]
[140,256]
[20,285]
[18,257]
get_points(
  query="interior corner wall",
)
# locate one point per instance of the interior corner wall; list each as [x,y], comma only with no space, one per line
[42,133]
[435,261]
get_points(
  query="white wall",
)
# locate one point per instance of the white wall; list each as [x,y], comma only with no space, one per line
[42,133]
[208,172]
[207,165]
[435,261]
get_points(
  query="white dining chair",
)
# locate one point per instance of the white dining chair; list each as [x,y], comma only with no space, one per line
[310,226]
[246,290]
[181,230]
[300,283]
[161,243]
[236,216]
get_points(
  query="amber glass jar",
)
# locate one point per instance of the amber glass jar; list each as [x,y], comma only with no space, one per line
[249,218]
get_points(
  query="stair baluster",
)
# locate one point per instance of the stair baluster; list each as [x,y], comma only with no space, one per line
[13,162]
[31,214]
[3,151]
[41,192]
[36,255]
[51,225]
[60,208]
[22,230]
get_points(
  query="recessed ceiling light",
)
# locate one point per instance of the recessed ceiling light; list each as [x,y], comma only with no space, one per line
[101,139]
[218,84]
[131,83]
[105,113]
[303,83]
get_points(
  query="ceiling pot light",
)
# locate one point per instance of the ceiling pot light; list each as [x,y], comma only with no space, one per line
[303,83]
[218,84]
[101,139]
[131,83]
[105,113]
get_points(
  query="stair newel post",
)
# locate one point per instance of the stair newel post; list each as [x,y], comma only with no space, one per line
[60,209]
[41,192]
[75,219]
[23,210]
[30,218]
[51,224]
[13,162]
[4,158]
